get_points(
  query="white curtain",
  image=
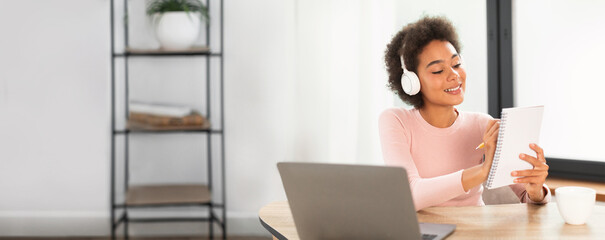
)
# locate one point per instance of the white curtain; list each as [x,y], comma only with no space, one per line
[340,86]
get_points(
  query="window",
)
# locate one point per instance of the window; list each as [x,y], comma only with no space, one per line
[555,61]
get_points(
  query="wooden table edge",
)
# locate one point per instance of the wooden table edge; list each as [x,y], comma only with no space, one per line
[274,233]
[555,182]
[539,210]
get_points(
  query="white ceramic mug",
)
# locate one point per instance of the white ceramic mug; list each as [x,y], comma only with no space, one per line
[575,203]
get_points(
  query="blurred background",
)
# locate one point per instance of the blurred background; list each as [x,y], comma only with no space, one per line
[303,81]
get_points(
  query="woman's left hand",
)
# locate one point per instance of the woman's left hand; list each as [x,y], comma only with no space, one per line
[534,179]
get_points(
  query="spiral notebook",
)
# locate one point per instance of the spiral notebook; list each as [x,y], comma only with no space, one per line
[519,127]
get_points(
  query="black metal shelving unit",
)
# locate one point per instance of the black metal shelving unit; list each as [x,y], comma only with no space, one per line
[162,196]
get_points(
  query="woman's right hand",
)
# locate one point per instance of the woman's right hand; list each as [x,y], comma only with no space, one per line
[490,138]
[474,176]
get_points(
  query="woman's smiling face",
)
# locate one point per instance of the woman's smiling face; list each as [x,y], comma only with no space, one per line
[442,75]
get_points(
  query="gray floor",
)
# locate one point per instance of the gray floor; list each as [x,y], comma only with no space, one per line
[132,238]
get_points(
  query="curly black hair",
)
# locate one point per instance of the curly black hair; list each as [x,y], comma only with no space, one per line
[410,42]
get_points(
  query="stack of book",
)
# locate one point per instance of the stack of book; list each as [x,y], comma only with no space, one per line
[148,116]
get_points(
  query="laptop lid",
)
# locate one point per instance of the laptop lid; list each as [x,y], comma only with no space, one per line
[334,201]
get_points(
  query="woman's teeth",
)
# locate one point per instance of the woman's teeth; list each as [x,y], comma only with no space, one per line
[452,89]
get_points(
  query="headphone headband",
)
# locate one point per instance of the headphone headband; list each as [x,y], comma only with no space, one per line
[402,63]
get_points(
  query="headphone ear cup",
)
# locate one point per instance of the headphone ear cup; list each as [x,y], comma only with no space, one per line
[410,83]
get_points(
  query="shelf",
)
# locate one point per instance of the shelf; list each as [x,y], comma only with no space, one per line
[195,51]
[192,130]
[167,195]
[136,126]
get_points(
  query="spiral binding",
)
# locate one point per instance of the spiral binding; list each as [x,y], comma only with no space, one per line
[492,172]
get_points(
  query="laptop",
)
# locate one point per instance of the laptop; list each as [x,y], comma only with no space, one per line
[335,201]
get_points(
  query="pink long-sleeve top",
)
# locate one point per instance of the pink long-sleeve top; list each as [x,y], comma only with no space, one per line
[434,158]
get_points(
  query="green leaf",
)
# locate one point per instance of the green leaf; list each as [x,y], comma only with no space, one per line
[163,6]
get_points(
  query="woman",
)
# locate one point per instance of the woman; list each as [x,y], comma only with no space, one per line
[435,142]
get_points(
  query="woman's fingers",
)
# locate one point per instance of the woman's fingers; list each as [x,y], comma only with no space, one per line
[491,123]
[536,175]
[539,151]
[529,173]
[539,180]
[492,131]
[494,124]
[532,160]
[537,163]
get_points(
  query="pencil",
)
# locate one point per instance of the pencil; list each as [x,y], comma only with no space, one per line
[480,146]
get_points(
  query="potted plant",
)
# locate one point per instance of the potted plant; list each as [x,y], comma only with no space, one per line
[177,22]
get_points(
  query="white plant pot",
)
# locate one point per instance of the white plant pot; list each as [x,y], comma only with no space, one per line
[178,30]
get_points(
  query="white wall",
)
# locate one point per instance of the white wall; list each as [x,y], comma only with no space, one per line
[54,106]
[259,44]
[53,113]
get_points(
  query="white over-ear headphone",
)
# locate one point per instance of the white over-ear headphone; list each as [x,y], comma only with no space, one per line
[409,80]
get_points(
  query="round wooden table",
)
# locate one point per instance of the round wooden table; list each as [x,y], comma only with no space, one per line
[506,221]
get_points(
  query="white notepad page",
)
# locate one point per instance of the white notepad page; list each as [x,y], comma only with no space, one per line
[519,127]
